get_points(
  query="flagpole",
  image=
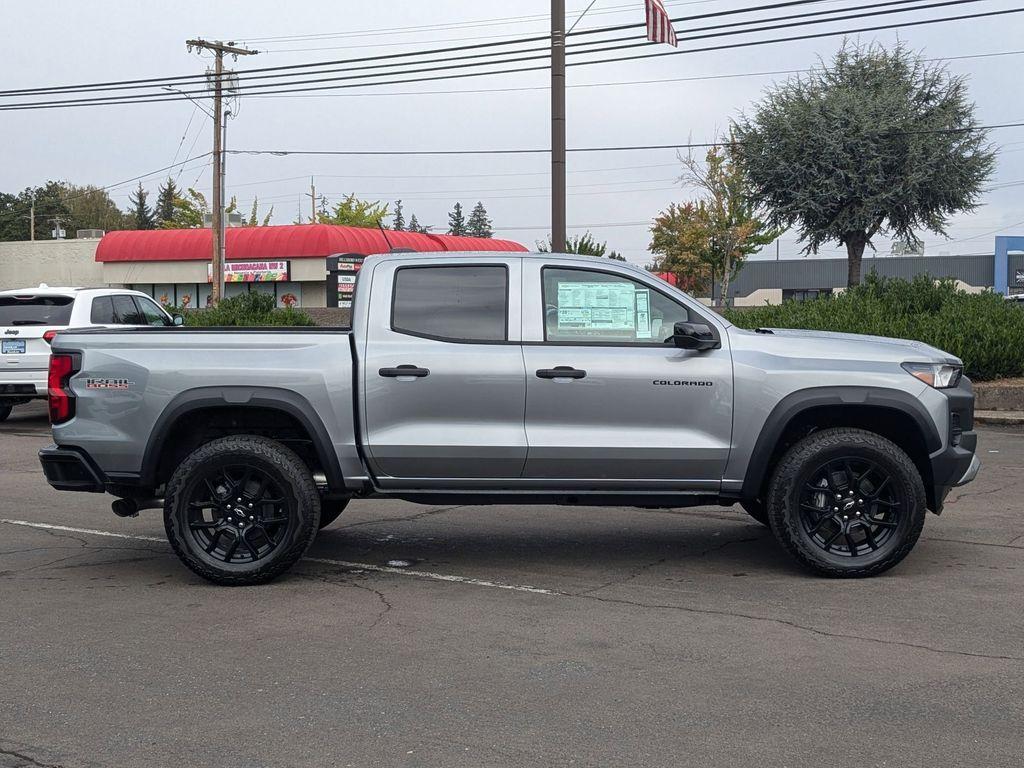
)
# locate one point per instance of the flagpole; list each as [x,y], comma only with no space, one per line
[558,126]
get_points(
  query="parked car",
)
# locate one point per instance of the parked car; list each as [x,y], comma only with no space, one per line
[497,378]
[1016,298]
[30,318]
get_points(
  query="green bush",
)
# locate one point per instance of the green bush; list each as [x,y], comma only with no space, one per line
[983,330]
[247,309]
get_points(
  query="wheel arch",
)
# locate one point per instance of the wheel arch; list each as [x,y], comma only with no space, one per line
[894,414]
[289,410]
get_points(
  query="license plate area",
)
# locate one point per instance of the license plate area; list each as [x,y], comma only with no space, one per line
[13,347]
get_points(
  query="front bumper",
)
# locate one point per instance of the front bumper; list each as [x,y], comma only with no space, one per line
[957,464]
[68,469]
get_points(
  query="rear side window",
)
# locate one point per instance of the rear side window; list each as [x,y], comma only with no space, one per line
[102,312]
[456,303]
[36,310]
[126,312]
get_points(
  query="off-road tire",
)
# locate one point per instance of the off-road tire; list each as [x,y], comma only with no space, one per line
[289,471]
[755,508]
[5,411]
[799,462]
[330,510]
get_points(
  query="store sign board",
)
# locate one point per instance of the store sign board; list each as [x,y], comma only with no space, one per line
[252,272]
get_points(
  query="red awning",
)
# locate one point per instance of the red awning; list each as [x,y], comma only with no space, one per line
[292,241]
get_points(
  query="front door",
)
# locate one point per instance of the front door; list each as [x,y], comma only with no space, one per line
[443,382]
[610,402]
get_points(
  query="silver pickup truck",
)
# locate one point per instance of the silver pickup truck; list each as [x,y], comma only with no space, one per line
[514,379]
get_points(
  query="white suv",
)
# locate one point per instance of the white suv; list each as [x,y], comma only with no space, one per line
[31,317]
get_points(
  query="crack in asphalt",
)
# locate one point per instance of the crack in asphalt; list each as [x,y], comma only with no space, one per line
[28,760]
[971,494]
[1008,545]
[410,518]
[342,582]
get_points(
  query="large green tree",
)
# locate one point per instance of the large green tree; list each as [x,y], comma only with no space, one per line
[479,224]
[398,220]
[353,212]
[50,206]
[91,208]
[165,196]
[876,141]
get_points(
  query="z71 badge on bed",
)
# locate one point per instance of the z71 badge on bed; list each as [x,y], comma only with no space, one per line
[108,383]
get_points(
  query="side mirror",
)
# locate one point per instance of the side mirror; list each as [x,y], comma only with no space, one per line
[695,336]
[178,320]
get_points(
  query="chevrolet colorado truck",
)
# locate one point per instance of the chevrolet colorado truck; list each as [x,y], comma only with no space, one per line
[529,378]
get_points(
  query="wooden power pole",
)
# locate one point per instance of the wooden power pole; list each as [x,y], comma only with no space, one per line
[219,49]
[558,126]
[313,197]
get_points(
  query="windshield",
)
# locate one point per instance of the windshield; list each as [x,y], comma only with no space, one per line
[35,310]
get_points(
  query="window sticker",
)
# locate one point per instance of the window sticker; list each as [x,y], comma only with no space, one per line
[643,314]
[598,306]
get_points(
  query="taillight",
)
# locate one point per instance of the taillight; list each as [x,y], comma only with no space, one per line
[49,336]
[62,401]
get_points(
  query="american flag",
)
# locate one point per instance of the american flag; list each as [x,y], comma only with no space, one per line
[659,25]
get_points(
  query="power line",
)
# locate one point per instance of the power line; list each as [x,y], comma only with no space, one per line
[247,73]
[137,100]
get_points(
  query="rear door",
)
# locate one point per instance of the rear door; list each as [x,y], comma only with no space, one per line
[442,374]
[610,402]
[23,321]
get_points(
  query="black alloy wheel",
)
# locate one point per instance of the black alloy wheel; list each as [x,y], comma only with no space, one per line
[241,509]
[238,513]
[850,506]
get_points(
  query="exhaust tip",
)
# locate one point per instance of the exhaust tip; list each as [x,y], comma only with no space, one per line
[125,508]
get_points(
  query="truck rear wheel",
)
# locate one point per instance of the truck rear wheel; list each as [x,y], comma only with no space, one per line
[241,510]
[846,503]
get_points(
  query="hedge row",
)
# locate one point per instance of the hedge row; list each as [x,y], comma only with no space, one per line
[247,309]
[983,330]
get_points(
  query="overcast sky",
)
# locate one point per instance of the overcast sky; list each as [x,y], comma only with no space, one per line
[51,43]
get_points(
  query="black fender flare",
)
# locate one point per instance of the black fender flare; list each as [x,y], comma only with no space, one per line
[803,400]
[270,398]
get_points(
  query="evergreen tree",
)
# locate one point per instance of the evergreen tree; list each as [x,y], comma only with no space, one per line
[398,222]
[479,222]
[415,226]
[140,211]
[165,195]
[456,221]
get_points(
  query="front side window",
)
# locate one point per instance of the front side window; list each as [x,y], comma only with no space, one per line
[151,313]
[453,303]
[126,312]
[587,307]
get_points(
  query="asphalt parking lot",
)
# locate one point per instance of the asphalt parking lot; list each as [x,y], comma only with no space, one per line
[518,637]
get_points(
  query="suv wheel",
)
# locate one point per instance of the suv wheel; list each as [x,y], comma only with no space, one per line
[5,411]
[846,503]
[241,510]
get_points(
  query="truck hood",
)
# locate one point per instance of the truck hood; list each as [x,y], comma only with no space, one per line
[914,350]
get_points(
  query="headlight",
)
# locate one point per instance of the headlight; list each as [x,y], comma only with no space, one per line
[938,375]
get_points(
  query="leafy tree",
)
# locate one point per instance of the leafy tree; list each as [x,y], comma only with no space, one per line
[353,212]
[90,207]
[585,245]
[190,211]
[398,222]
[479,222]
[877,141]
[141,213]
[50,207]
[680,240]
[724,216]
[165,196]
[456,221]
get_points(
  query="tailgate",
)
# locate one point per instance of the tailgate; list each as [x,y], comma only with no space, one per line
[24,319]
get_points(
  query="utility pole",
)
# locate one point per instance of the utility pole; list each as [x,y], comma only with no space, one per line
[219,49]
[31,218]
[558,126]
[312,201]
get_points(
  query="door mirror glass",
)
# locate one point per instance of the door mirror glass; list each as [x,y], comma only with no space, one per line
[178,320]
[697,336]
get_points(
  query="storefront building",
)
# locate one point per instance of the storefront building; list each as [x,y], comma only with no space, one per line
[290,262]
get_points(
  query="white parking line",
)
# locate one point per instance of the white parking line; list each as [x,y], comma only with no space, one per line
[322,560]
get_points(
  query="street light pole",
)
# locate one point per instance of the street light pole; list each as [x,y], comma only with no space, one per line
[558,224]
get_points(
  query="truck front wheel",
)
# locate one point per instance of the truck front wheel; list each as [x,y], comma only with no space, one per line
[241,510]
[846,503]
